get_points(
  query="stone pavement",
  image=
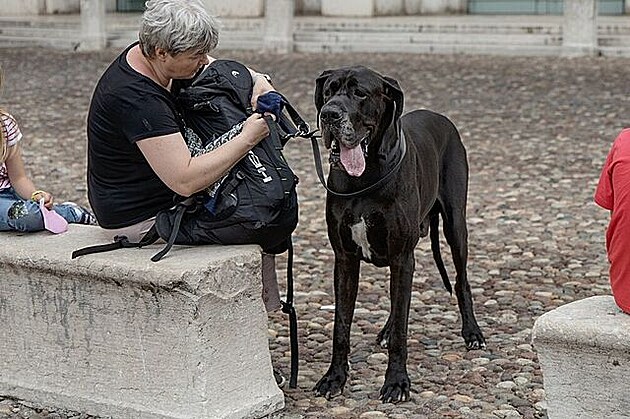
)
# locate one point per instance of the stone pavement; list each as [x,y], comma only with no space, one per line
[537,131]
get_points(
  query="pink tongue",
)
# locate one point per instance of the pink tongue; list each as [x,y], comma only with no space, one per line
[353,160]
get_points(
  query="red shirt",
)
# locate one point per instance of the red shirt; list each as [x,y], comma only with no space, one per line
[613,193]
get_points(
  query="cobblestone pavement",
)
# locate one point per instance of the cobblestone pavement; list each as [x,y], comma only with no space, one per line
[537,131]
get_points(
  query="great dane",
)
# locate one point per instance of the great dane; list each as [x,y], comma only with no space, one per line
[391,178]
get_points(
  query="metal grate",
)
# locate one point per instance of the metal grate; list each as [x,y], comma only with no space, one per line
[537,7]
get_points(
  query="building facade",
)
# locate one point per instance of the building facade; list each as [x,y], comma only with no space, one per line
[255,8]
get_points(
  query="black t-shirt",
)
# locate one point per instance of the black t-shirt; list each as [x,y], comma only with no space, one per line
[127,107]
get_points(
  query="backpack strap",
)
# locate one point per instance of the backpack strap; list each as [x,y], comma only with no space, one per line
[179,213]
[120,242]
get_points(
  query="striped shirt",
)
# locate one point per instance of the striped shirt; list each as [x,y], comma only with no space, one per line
[11,132]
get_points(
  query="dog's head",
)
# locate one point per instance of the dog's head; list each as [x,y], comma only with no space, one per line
[355,107]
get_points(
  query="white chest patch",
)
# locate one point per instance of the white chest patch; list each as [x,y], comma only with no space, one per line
[359,235]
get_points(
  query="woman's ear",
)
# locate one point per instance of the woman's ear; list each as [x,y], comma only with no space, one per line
[160,53]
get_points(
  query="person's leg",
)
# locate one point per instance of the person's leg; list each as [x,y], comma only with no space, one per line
[74,213]
[17,214]
[271,298]
[133,232]
[270,293]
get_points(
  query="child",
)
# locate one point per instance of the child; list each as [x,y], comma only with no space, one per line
[19,199]
[613,194]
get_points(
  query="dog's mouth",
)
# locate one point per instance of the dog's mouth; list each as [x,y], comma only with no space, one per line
[352,157]
[347,144]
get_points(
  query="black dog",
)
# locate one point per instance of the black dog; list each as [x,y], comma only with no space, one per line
[391,177]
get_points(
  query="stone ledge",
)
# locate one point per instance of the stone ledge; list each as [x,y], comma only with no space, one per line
[114,334]
[584,353]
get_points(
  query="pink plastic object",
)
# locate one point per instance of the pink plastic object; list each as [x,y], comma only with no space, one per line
[53,222]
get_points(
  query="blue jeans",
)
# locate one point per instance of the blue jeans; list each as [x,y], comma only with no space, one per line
[17,214]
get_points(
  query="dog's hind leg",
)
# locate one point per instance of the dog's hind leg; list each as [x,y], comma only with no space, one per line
[346,280]
[456,233]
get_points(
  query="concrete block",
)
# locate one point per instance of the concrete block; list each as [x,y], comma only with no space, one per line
[347,8]
[584,353]
[413,7]
[279,26]
[116,335]
[389,7]
[93,31]
[235,8]
[22,7]
[62,6]
[579,30]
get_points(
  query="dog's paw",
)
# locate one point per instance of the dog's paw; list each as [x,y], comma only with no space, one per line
[474,340]
[396,389]
[330,385]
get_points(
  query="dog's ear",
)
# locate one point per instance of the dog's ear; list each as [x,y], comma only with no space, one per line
[319,89]
[395,93]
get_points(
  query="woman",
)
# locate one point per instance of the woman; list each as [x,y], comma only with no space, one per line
[137,156]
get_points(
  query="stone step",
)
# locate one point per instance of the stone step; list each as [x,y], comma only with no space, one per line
[20,41]
[614,40]
[460,33]
[615,51]
[428,48]
[450,28]
[425,38]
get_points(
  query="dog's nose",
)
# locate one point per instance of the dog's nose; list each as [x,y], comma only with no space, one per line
[331,114]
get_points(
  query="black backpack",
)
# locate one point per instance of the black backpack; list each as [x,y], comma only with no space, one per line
[256,202]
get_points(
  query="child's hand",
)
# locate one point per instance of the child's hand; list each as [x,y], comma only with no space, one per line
[39,195]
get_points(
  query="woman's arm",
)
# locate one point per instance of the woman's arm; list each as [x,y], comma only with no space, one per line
[170,158]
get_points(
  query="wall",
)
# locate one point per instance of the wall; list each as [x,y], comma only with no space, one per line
[22,7]
[232,8]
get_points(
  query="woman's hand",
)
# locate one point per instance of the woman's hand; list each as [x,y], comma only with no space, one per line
[255,128]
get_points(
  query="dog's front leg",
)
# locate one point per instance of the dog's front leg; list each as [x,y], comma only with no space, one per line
[346,285]
[397,385]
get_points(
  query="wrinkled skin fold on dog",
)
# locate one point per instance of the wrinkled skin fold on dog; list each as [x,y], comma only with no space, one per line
[424,162]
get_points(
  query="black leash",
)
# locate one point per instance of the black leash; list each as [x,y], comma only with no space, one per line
[288,308]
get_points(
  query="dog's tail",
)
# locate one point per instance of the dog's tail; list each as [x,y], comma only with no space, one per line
[434,234]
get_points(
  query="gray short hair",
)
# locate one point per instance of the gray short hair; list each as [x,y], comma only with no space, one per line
[177,26]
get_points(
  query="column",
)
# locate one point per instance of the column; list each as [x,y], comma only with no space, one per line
[579,29]
[93,32]
[278,26]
